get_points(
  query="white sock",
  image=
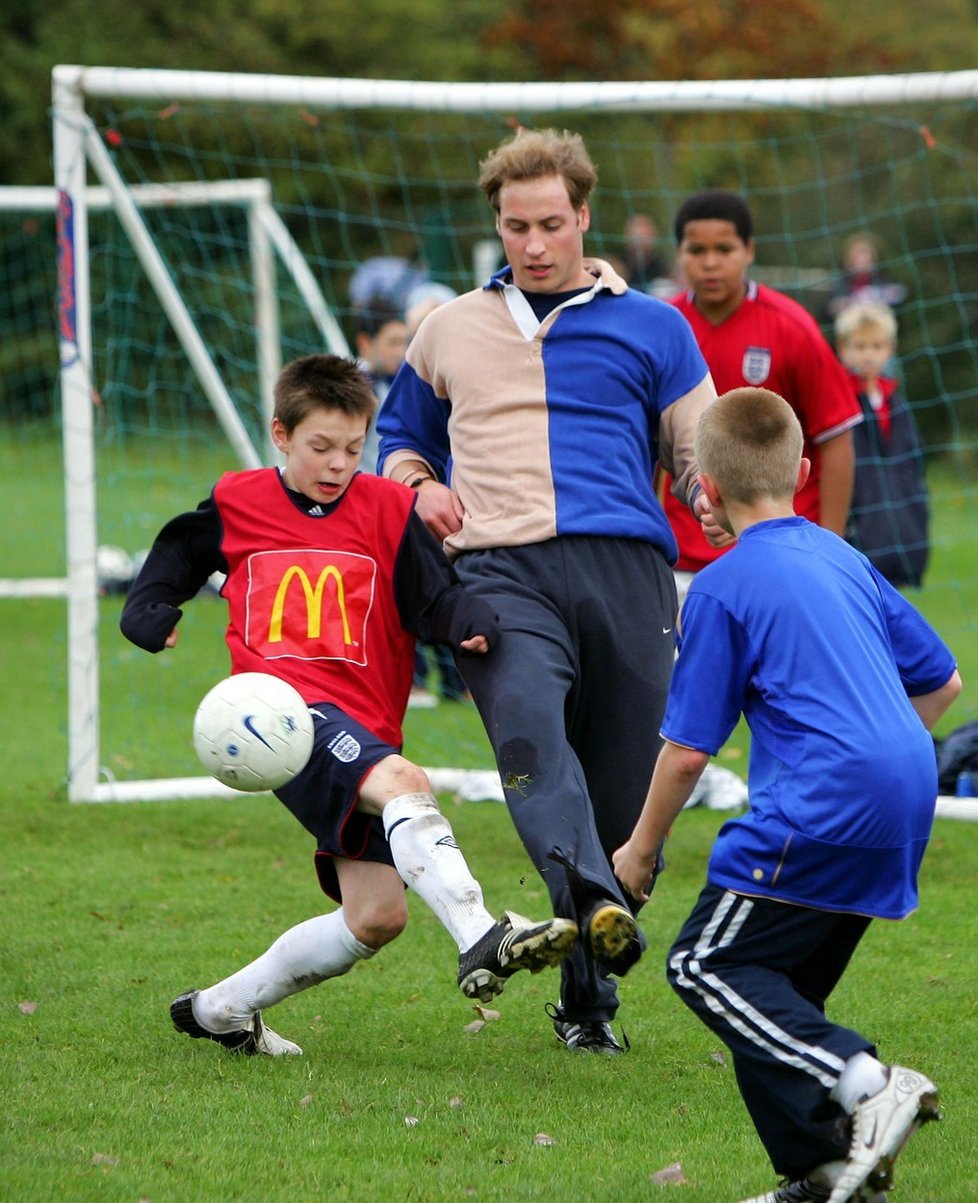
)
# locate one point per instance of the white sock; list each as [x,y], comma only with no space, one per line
[304,956]
[827,1174]
[429,861]
[862,1076]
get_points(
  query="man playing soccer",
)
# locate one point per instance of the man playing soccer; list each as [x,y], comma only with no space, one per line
[529,416]
[839,679]
[330,576]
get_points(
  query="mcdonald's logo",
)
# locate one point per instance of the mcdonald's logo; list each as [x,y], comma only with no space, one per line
[310,604]
[314,602]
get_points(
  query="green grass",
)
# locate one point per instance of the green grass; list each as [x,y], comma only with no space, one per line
[110,911]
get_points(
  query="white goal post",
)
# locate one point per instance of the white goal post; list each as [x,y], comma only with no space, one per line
[80,147]
[72,198]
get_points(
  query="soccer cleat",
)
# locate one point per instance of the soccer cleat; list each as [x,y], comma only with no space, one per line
[807,1191]
[613,936]
[804,1191]
[256,1038]
[512,944]
[586,1035]
[882,1123]
[609,929]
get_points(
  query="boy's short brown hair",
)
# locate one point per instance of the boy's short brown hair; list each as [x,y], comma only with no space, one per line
[531,154]
[750,441]
[321,382]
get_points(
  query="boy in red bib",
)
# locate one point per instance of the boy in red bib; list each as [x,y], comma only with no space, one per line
[330,577]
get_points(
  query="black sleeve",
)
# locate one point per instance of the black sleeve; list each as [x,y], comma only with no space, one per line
[184,554]
[431,600]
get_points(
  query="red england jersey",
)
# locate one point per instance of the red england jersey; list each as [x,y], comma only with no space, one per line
[771,342]
[311,599]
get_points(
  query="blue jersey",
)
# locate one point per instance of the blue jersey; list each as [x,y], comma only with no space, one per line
[798,632]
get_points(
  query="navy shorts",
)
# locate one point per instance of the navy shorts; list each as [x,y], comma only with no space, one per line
[323,796]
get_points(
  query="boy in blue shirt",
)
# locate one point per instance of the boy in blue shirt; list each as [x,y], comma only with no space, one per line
[839,679]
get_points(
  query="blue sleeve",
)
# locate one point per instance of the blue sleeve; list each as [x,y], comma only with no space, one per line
[414,418]
[923,660]
[711,677]
[685,366]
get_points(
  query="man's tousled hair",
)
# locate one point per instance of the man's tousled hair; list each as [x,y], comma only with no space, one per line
[531,154]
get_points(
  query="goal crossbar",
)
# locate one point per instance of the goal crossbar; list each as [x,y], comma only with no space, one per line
[659,95]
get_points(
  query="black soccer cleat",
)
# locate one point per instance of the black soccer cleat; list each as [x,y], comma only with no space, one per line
[512,944]
[613,936]
[608,929]
[586,1035]
[256,1038]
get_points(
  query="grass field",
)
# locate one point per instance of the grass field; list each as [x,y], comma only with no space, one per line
[110,911]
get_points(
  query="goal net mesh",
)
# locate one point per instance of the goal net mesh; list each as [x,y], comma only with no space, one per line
[358,180]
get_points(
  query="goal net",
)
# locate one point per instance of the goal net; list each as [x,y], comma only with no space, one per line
[244,209]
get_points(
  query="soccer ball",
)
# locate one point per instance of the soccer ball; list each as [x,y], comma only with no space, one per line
[253,731]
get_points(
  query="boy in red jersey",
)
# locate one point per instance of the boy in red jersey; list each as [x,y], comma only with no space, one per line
[752,335]
[368,579]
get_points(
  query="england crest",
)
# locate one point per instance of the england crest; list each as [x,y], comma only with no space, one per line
[757,365]
[344,747]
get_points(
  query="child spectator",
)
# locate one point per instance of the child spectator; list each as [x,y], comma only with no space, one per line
[644,265]
[839,679]
[889,516]
[347,645]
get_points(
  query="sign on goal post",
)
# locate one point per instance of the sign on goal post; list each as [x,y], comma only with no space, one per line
[326,173]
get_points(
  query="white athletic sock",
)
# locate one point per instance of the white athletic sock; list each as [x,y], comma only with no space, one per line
[431,863]
[827,1174]
[862,1076]
[305,955]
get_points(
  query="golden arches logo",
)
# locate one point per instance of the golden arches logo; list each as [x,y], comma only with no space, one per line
[314,602]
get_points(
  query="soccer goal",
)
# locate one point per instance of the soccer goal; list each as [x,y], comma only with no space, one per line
[169,339]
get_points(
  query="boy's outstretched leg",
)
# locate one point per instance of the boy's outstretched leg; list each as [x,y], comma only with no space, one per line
[230,1012]
[429,860]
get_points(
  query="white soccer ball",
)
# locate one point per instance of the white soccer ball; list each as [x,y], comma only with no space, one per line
[253,731]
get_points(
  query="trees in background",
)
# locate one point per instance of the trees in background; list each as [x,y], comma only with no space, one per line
[464,40]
